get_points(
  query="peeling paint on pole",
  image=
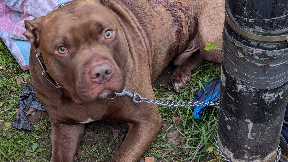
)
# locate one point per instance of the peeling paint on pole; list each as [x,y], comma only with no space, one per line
[254,88]
[250,126]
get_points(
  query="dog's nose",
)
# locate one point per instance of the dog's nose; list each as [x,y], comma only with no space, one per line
[101,73]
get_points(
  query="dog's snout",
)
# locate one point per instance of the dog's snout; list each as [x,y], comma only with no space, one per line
[101,73]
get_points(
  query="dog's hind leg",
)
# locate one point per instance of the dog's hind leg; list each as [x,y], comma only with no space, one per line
[210,26]
[182,75]
[187,62]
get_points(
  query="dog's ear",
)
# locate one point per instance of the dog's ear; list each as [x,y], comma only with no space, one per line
[33,29]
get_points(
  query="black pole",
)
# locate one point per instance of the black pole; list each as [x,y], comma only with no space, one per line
[254,79]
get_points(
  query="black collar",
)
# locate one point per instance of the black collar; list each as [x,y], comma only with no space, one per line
[39,56]
[45,73]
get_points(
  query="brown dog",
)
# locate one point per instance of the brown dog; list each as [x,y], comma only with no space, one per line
[90,49]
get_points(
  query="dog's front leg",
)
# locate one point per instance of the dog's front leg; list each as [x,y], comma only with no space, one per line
[143,128]
[65,140]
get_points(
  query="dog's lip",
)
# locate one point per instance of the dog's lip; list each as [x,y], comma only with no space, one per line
[106,93]
[111,92]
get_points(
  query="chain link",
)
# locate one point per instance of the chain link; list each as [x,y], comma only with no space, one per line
[278,154]
[137,98]
[224,158]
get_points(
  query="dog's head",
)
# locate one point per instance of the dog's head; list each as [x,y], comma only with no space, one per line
[83,48]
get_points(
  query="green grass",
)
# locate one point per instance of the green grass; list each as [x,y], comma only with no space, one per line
[196,136]
[16,145]
[182,138]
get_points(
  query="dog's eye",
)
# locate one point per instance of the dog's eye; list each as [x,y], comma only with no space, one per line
[108,34]
[62,49]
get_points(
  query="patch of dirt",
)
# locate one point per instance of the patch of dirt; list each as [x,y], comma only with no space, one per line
[36,116]
[112,129]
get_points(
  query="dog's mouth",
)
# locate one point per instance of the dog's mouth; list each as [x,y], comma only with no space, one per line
[84,98]
[94,92]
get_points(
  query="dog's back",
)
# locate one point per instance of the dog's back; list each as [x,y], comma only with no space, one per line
[171,25]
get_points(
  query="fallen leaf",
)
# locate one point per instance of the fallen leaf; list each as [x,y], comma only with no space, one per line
[176,119]
[210,149]
[1,67]
[211,46]
[149,159]
[20,81]
[30,111]
[172,136]
[7,125]
[166,153]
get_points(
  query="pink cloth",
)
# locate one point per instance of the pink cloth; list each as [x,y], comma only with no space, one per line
[12,16]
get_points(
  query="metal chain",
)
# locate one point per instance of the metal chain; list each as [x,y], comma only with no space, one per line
[137,98]
[278,154]
[224,158]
